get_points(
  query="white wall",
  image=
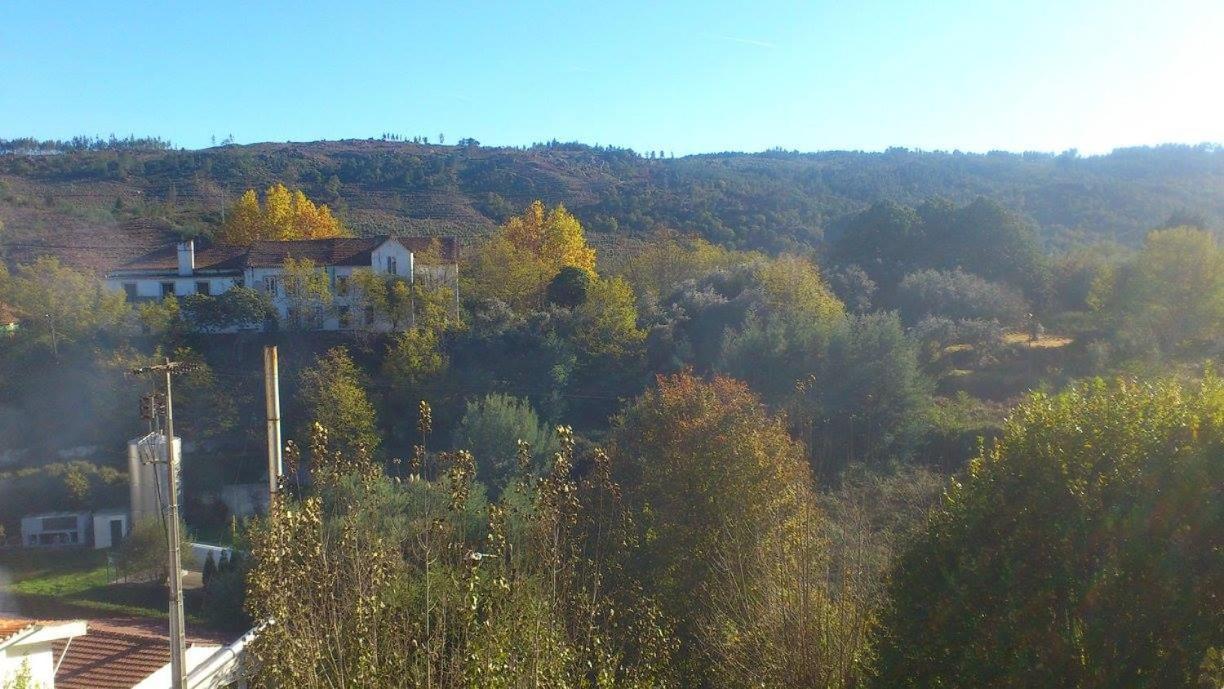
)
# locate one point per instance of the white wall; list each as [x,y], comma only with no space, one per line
[102,530]
[196,655]
[392,249]
[254,278]
[40,662]
[150,287]
[33,526]
[33,650]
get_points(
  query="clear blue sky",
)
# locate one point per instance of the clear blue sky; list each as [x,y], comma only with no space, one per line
[685,76]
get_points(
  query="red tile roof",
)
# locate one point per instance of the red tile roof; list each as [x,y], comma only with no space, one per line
[110,657]
[339,251]
[11,626]
[448,246]
[347,251]
[207,257]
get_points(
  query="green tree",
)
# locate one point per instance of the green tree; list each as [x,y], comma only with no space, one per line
[413,356]
[162,319]
[335,397]
[60,305]
[569,288]
[706,471]
[143,553]
[235,308]
[491,428]
[606,322]
[1081,550]
[867,401]
[1172,296]
[308,293]
[669,259]
[424,583]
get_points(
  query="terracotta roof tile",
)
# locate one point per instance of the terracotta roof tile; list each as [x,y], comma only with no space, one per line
[346,251]
[109,657]
[208,256]
[339,251]
[10,626]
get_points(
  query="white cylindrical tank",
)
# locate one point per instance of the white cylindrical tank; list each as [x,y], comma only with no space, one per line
[149,480]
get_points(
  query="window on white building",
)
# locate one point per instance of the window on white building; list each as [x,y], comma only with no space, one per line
[167,289]
[342,285]
[204,287]
[392,269]
[270,285]
[129,289]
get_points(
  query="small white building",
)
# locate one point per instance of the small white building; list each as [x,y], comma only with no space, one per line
[212,269]
[110,527]
[26,649]
[56,529]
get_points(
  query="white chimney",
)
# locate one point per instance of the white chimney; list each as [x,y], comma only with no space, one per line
[186,257]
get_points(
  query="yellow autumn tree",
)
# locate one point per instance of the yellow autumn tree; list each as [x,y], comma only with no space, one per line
[245,221]
[284,214]
[517,263]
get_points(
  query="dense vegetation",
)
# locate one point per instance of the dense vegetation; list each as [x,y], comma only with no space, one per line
[777,201]
[936,452]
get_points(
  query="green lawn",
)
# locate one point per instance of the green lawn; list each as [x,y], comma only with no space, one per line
[68,583]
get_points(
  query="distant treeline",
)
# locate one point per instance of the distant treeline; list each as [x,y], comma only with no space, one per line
[774,201]
[28,145]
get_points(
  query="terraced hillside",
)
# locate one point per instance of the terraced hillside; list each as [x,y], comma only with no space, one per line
[95,208]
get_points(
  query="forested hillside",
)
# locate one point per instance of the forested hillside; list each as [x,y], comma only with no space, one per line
[724,421]
[62,196]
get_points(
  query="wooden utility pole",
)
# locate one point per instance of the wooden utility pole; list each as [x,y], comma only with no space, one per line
[178,644]
[272,404]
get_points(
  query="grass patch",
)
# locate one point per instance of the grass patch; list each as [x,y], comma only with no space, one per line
[76,583]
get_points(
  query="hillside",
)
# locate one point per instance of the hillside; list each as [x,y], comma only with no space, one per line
[97,207]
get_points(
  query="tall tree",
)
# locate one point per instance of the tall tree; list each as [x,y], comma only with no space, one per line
[491,429]
[706,470]
[527,252]
[284,214]
[1082,550]
[334,395]
[59,305]
[308,293]
[1172,295]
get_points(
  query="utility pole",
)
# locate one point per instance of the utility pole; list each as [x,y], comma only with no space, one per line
[272,404]
[178,650]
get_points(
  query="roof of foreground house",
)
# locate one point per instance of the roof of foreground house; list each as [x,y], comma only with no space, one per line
[336,251]
[10,627]
[15,629]
[110,657]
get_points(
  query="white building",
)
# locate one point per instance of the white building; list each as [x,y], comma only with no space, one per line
[110,527]
[212,269]
[52,529]
[27,652]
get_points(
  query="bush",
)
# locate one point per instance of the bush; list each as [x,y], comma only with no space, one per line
[1081,550]
[490,429]
[569,288]
[957,295]
[142,555]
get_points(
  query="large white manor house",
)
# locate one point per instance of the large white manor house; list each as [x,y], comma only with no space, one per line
[211,269]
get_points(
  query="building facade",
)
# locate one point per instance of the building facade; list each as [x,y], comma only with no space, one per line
[213,269]
[56,529]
